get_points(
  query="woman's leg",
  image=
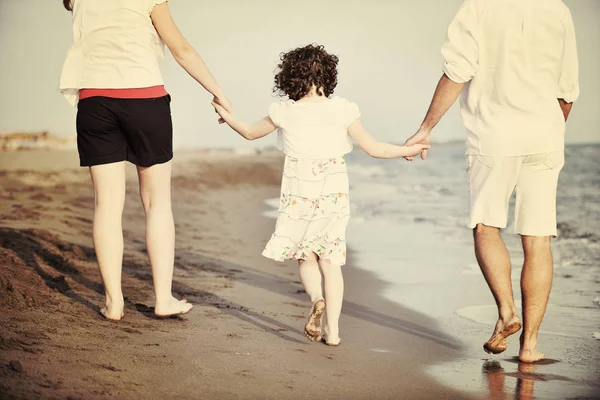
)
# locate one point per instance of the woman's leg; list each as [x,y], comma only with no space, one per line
[155,191]
[334,296]
[310,276]
[109,194]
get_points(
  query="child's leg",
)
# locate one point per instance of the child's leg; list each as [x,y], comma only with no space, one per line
[334,296]
[310,276]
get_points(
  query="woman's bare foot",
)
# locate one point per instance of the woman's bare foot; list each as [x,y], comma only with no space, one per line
[113,310]
[528,352]
[498,342]
[312,329]
[330,339]
[172,307]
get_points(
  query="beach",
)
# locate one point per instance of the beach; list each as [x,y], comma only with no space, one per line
[243,339]
[415,315]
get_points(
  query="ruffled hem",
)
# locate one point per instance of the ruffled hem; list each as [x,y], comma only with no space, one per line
[281,248]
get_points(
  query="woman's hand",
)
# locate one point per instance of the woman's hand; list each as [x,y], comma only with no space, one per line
[222,102]
[219,109]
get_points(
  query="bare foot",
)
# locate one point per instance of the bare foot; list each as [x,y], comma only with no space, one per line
[172,308]
[113,310]
[528,353]
[331,340]
[499,340]
[530,356]
[111,315]
[312,329]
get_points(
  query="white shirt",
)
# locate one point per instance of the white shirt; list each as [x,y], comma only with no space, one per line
[314,130]
[115,47]
[518,57]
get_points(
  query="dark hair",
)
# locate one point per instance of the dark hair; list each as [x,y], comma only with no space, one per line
[67,4]
[304,67]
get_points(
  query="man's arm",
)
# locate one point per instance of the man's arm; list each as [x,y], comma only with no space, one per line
[445,95]
[565,107]
[461,61]
[568,83]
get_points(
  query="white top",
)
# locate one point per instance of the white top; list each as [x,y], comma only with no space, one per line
[115,47]
[519,57]
[314,130]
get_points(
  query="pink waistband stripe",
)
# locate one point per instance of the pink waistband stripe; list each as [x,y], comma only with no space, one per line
[133,93]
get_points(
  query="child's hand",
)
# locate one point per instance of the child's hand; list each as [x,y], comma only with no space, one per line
[415,149]
[219,109]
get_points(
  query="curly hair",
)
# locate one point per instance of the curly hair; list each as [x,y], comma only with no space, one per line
[304,67]
[68,5]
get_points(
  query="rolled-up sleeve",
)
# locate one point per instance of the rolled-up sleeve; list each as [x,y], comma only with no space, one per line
[568,83]
[461,51]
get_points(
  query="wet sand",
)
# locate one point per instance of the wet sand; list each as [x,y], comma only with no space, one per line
[245,337]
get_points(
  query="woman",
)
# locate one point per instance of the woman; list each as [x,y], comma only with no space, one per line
[112,70]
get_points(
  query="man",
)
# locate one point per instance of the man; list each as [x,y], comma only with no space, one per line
[515,63]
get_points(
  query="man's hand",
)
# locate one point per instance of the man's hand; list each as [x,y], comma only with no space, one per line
[423,136]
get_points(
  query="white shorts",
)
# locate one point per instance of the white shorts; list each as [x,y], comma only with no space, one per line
[492,180]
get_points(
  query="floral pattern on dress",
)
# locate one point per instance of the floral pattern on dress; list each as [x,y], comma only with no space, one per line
[314,210]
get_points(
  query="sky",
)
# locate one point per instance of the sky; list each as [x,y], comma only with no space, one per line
[389,52]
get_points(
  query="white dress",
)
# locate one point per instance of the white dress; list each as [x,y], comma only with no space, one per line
[314,206]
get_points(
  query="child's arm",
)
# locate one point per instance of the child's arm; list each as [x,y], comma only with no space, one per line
[251,132]
[378,149]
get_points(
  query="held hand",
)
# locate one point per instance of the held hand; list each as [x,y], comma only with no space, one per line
[423,137]
[415,150]
[219,109]
[224,103]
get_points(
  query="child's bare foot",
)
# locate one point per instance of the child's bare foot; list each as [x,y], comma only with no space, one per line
[113,310]
[331,339]
[172,307]
[498,342]
[312,329]
[528,352]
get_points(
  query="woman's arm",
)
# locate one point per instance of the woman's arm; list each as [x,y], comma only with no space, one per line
[184,53]
[255,131]
[378,149]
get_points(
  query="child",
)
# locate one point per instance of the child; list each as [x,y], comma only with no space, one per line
[315,132]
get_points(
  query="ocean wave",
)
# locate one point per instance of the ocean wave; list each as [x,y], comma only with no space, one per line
[568,231]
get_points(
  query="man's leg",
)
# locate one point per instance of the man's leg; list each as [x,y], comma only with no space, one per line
[491,183]
[494,261]
[535,220]
[536,282]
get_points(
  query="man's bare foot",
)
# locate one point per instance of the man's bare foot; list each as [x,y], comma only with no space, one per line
[530,356]
[498,342]
[312,329]
[172,307]
[330,339]
[528,352]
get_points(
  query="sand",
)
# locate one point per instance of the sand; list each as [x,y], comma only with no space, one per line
[245,337]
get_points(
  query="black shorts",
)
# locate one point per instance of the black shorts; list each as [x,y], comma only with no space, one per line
[135,130]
